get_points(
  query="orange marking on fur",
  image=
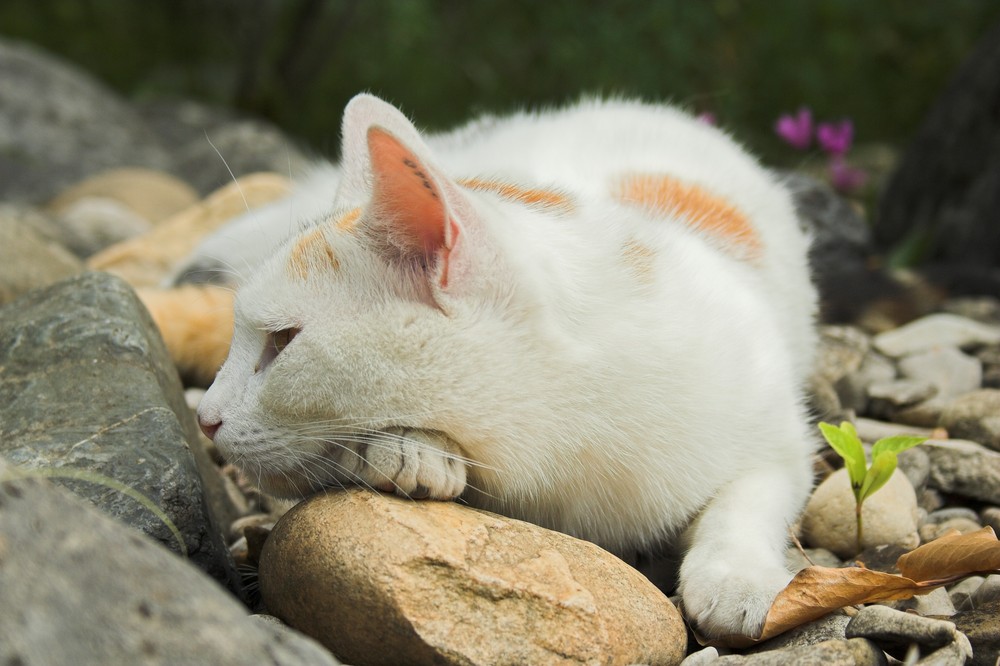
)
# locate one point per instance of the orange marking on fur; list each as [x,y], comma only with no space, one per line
[347,220]
[311,251]
[639,258]
[524,195]
[700,208]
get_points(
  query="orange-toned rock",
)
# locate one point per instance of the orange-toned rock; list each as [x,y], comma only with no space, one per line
[146,260]
[383,580]
[152,195]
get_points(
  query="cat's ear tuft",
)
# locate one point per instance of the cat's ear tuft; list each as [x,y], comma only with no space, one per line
[406,195]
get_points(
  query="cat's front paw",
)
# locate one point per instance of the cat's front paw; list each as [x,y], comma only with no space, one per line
[720,600]
[415,464]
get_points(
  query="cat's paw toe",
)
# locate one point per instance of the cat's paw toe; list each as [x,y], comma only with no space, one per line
[429,466]
[731,603]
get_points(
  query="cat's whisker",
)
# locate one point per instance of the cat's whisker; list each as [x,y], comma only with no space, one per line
[246,204]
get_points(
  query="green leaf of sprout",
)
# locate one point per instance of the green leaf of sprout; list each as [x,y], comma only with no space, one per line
[845,442]
[883,465]
[896,444]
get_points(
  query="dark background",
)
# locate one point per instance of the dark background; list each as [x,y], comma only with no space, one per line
[296,62]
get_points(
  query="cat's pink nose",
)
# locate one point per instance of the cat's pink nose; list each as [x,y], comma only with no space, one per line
[209,426]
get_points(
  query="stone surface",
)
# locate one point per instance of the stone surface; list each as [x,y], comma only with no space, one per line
[210,142]
[936,602]
[975,416]
[964,468]
[947,369]
[796,560]
[380,580]
[841,351]
[854,652]
[916,465]
[890,515]
[895,630]
[982,627]
[899,393]
[826,628]
[153,196]
[81,588]
[93,223]
[86,386]
[961,593]
[59,125]
[936,330]
[146,261]
[29,260]
[936,530]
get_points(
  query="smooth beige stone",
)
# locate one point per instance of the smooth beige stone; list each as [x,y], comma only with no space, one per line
[146,260]
[889,516]
[383,580]
[154,196]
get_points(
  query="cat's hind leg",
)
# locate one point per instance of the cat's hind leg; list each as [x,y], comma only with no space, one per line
[414,463]
[734,566]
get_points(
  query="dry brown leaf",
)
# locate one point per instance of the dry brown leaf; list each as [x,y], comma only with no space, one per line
[952,555]
[816,591]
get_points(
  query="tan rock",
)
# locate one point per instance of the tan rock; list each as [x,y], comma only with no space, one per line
[152,195]
[382,580]
[146,260]
[29,260]
[889,516]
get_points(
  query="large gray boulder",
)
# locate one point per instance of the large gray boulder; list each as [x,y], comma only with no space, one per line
[59,124]
[86,386]
[80,588]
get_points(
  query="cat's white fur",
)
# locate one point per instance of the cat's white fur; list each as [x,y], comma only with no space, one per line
[542,377]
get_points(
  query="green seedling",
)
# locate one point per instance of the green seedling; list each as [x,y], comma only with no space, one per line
[866,480]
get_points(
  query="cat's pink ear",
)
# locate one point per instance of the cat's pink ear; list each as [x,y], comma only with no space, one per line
[406,195]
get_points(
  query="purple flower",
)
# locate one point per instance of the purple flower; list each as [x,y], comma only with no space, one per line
[845,178]
[796,130]
[708,118]
[835,138]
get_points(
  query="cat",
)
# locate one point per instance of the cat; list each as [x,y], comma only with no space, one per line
[597,319]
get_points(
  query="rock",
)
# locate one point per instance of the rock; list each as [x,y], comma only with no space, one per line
[796,561]
[378,579]
[880,558]
[890,515]
[961,593]
[985,309]
[823,401]
[853,388]
[991,516]
[936,330]
[936,602]
[87,388]
[59,125]
[933,531]
[28,260]
[871,430]
[93,223]
[982,627]
[81,588]
[990,358]
[841,351]
[945,515]
[854,652]
[947,369]
[895,630]
[209,142]
[987,592]
[975,416]
[702,657]
[153,196]
[826,628]
[916,465]
[899,393]
[145,261]
[964,468]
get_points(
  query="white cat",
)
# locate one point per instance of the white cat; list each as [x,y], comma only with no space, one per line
[597,319]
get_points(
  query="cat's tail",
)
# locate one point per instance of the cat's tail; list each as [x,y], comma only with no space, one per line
[196,322]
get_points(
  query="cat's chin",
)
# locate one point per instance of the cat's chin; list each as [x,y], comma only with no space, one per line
[286,485]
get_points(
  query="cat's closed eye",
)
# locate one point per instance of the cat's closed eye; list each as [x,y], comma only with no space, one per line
[274,345]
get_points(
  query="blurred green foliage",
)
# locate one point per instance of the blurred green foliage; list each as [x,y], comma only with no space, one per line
[297,62]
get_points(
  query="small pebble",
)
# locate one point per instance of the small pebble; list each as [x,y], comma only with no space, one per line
[962,591]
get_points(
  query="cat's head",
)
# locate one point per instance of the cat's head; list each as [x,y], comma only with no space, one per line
[387,313]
